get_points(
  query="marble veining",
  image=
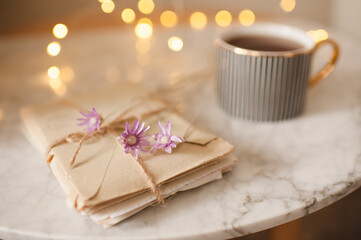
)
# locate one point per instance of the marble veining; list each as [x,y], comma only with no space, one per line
[287,169]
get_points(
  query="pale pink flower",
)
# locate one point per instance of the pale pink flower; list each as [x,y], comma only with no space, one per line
[165,140]
[92,120]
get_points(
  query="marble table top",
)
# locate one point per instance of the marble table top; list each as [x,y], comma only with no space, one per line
[287,169]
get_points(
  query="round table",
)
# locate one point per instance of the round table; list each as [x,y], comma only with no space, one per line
[286,170]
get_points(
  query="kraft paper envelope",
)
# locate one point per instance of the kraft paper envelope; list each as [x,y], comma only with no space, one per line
[117,212]
[91,183]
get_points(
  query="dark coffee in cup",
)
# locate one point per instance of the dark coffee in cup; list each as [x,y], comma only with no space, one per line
[264,43]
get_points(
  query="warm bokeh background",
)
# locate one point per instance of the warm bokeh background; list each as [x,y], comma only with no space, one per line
[22,16]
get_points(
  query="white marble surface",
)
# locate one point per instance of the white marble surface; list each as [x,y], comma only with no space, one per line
[286,170]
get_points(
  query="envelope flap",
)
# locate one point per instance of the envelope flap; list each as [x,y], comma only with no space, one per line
[181,127]
[129,100]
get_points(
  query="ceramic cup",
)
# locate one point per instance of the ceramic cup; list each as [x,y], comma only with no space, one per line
[267,85]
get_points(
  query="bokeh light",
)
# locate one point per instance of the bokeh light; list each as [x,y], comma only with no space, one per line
[53,48]
[55,83]
[128,15]
[58,86]
[142,46]
[168,18]
[318,35]
[66,74]
[146,20]
[108,6]
[198,20]
[144,28]
[61,90]
[175,43]
[246,17]
[146,6]
[53,72]
[60,31]
[223,18]
[288,5]
[1,114]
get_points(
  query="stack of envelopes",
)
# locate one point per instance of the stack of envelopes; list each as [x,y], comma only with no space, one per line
[105,182]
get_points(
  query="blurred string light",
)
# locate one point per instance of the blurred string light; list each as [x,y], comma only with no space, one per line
[108,6]
[198,20]
[175,43]
[223,18]
[288,5]
[146,6]
[146,20]
[142,46]
[246,17]
[61,90]
[54,48]
[53,72]
[60,31]
[57,85]
[128,15]
[1,114]
[66,74]
[318,35]
[144,28]
[168,18]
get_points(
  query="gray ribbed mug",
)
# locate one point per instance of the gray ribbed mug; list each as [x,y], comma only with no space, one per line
[267,85]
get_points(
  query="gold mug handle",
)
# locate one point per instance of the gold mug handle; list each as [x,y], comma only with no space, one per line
[326,70]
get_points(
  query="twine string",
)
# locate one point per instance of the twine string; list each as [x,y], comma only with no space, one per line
[81,137]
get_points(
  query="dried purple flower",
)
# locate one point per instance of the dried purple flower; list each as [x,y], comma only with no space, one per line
[165,140]
[134,139]
[92,120]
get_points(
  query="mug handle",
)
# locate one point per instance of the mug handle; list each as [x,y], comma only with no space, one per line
[326,70]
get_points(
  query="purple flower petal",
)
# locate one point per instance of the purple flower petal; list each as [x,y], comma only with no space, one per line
[127,127]
[135,126]
[144,130]
[135,152]
[86,115]
[154,148]
[126,149]
[169,126]
[168,149]
[176,138]
[88,122]
[161,128]
[82,123]
[139,129]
